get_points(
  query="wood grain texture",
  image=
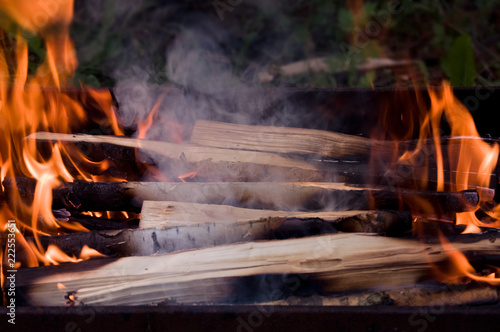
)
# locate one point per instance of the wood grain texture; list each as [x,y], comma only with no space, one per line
[278,139]
[338,262]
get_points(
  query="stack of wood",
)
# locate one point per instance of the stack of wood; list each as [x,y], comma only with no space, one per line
[264,220]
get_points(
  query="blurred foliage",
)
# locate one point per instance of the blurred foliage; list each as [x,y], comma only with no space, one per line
[459,64]
[454,39]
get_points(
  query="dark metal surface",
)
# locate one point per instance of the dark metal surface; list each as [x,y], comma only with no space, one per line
[254,318]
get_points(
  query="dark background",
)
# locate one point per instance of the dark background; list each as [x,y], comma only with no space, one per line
[253,35]
[214,53]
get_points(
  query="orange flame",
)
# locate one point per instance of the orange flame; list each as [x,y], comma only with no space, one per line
[469,160]
[475,160]
[187,176]
[143,128]
[88,253]
[39,101]
[462,268]
[54,256]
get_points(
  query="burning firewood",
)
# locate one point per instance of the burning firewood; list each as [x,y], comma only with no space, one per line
[314,142]
[350,154]
[335,263]
[172,226]
[129,196]
[212,163]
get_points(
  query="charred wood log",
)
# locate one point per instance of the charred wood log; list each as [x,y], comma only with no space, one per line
[129,196]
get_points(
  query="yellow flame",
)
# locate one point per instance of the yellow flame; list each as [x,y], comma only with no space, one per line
[462,267]
[39,101]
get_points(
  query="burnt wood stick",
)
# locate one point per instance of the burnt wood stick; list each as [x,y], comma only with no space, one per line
[338,262]
[129,196]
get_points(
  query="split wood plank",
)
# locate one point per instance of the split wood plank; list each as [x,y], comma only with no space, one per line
[240,223]
[339,262]
[215,163]
[279,139]
[338,145]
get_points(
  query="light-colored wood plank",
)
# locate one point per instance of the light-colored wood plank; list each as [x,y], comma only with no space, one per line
[189,152]
[209,164]
[339,262]
[175,214]
[279,139]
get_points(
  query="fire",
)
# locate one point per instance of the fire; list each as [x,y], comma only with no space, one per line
[462,268]
[144,127]
[31,102]
[467,159]
[54,256]
[88,253]
[39,101]
[475,159]
[187,176]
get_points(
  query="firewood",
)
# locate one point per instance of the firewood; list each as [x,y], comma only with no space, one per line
[258,224]
[337,262]
[239,165]
[129,196]
[173,226]
[208,163]
[279,139]
[351,150]
[319,142]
